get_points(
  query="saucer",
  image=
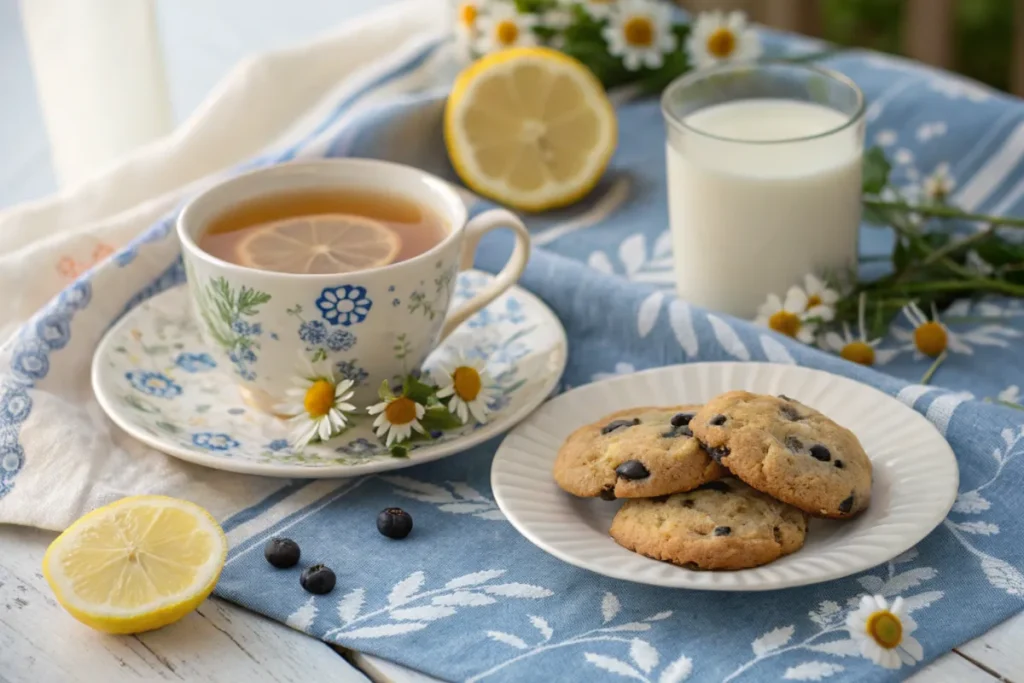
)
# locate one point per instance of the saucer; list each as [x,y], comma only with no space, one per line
[915,476]
[152,376]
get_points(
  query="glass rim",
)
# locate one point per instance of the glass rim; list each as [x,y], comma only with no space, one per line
[689,79]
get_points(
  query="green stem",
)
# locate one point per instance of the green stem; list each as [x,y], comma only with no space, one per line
[1008,404]
[927,377]
[979,284]
[955,245]
[941,211]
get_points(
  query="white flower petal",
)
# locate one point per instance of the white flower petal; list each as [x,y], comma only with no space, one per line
[796,300]
[912,647]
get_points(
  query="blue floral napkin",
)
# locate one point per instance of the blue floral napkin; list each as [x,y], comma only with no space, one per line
[465,597]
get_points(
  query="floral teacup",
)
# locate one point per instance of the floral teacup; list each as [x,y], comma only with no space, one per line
[368,326]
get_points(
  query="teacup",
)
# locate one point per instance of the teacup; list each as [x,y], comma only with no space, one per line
[378,324]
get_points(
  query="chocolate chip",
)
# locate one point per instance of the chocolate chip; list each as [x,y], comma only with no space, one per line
[777,533]
[632,469]
[790,413]
[681,419]
[794,444]
[676,432]
[687,503]
[718,453]
[608,493]
[717,421]
[786,398]
[714,486]
[722,530]
[619,424]
[838,463]
[819,452]
[846,505]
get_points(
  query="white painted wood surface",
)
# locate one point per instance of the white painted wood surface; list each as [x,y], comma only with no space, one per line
[221,642]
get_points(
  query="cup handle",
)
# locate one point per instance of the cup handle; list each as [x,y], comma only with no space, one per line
[474,230]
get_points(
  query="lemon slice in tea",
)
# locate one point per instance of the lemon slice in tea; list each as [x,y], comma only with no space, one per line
[321,244]
[137,564]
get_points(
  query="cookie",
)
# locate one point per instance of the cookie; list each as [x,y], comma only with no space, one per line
[724,524]
[788,450]
[635,453]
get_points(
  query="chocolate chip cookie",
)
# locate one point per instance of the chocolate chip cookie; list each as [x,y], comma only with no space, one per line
[635,453]
[724,524]
[788,450]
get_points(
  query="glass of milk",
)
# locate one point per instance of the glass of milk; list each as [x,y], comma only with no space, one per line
[764,180]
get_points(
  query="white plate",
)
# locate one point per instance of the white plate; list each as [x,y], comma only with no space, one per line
[915,476]
[153,378]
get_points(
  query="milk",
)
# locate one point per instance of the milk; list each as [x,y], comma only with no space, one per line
[752,214]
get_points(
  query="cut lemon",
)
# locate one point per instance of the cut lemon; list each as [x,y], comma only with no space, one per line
[529,127]
[323,244]
[137,564]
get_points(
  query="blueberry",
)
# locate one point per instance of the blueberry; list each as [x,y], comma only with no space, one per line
[632,469]
[619,424]
[681,419]
[608,493]
[790,413]
[282,552]
[318,579]
[717,421]
[687,503]
[794,444]
[722,531]
[677,432]
[394,523]
[659,499]
[846,505]
[819,452]
[718,453]
[838,463]
[786,398]
[436,434]
[719,486]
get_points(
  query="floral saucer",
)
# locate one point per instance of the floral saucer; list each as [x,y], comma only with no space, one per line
[153,377]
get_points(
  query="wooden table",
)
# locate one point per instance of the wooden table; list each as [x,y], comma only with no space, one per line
[40,643]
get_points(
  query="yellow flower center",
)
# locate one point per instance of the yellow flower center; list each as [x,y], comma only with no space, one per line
[721,43]
[401,411]
[638,31]
[506,32]
[858,352]
[930,338]
[468,13]
[467,383]
[886,628]
[785,323]
[319,398]
[812,301]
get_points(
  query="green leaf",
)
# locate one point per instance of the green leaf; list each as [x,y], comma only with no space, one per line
[416,390]
[399,452]
[1000,253]
[900,256]
[385,391]
[875,173]
[439,418]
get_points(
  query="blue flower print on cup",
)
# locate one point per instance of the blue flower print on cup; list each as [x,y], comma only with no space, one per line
[313,333]
[126,256]
[357,447]
[31,360]
[349,370]
[214,441]
[195,362]
[76,297]
[345,305]
[153,383]
[11,460]
[340,340]
[54,329]
[277,445]
[15,406]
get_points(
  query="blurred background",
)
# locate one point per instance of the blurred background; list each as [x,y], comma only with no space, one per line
[66,65]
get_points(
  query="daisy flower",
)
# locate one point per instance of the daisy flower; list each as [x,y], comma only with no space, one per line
[854,349]
[821,300]
[317,406]
[787,317]
[716,38]
[940,184]
[930,336]
[882,632]
[640,32]
[503,27]
[598,9]
[466,15]
[469,386]
[397,417]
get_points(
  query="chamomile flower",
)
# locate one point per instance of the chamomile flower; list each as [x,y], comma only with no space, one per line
[787,317]
[821,300]
[599,9]
[397,417]
[857,349]
[939,185]
[640,32]
[716,38]
[882,632]
[467,14]
[317,405]
[930,336]
[503,27]
[469,386]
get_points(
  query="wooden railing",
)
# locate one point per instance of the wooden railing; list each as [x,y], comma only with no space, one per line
[927,31]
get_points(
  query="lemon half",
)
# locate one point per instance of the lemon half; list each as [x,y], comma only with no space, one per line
[529,127]
[137,564]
